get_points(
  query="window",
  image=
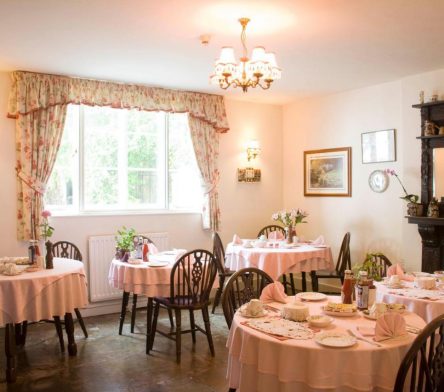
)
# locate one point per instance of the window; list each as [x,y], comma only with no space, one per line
[125,160]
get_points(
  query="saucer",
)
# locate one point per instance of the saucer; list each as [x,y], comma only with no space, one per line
[243,313]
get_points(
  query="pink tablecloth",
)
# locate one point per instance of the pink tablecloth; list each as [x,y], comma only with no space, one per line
[34,296]
[258,362]
[425,308]
[277,261]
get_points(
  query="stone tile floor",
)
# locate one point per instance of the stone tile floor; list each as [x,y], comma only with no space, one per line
[111,363]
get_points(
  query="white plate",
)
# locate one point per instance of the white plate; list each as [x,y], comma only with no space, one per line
[340,314]
[335,339]
[311,296]
[319,246]
[155,263]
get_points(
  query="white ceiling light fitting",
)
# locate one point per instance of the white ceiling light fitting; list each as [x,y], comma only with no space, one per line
[261,70]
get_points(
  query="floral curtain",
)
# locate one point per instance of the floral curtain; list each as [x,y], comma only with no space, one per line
[39,101]
[206,147]
[38,136]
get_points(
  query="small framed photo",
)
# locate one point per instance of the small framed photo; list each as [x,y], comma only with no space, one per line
[328,172]
[378,146]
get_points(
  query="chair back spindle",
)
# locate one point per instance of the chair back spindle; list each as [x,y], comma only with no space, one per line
[66,250]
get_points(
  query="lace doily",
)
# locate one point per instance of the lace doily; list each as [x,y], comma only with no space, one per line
[281,327]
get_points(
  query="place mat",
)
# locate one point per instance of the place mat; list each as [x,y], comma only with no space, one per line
[281,328]
[432,295]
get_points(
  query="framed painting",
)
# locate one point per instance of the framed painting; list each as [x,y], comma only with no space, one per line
[378,146]
[328,172]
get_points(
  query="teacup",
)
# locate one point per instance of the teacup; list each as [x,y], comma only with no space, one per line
[295,239]
[254,307]
[394,279]
[10,269]
[247,243]
[426,283]
[263,237]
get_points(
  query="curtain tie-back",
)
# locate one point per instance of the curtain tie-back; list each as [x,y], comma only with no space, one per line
[213,185]
[36,185]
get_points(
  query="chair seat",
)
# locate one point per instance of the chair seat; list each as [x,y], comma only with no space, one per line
[181,302]
[327,274]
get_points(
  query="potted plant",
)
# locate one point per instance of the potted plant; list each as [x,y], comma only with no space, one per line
[413,207]
[374,270]
[124,243]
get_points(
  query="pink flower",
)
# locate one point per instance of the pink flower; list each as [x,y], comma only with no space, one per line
[46,214]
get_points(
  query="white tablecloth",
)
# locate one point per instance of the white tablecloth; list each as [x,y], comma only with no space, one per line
[425,308]
[278,261]
[34,296]
[258,362]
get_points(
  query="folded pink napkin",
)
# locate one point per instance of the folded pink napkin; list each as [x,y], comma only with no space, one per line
[275,235]
[389,325]
[396,269]
[152,249]
[237,240]
[319,241]
[274,292]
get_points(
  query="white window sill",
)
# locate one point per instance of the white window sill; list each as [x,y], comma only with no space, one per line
[67,214]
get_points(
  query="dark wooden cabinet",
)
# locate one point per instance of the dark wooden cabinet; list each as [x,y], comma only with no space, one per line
[431,230]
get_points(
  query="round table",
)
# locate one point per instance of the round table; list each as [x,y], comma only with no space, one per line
[258,362]
[428,309]
[278,261]
[35,296]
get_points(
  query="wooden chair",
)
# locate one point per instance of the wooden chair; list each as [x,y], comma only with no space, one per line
[242,287]
[223,272]
[191,281]
[424,362]
[382,262]
[287,282]
[342,264]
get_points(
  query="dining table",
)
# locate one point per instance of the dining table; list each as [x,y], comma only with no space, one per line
[277,258]
[40,295]
[258,361]
[427,304]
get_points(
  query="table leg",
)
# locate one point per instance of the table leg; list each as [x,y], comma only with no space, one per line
[149,321]
[69,327]
[10,353]
[314,281]
[125,300]
[20,333]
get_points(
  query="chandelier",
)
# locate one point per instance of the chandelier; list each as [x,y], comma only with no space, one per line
[261,70]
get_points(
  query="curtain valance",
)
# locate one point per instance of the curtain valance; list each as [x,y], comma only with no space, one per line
[33,91]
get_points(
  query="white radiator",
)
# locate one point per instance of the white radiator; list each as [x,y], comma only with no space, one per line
[101,251]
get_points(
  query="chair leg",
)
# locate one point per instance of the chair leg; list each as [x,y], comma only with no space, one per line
[314,281]
[150,339]
[218,293]
[133,312]
[125,299]
[284,282]
[81,322]
[178,333]
[232,390]
[20,333]
[58,326]
[304,281]
[24,331]
[292,285]
[10,350]
[193,326]
[206,318]
[170,315]
[149,322]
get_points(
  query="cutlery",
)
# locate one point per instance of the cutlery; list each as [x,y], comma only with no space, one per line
[413,329]
[363,339]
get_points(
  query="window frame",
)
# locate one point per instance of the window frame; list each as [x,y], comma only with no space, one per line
[80,209]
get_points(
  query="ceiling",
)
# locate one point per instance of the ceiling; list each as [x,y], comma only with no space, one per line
[323,46]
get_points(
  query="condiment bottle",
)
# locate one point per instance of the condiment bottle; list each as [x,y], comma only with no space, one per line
[362,291]
[347,288]
[145,250]
[371,293]
[140,248]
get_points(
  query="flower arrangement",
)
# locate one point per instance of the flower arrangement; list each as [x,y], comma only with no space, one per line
[290,218]
[46,230]
[407,197]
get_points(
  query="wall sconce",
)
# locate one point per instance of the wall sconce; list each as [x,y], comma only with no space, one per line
[250,174]
[253,150]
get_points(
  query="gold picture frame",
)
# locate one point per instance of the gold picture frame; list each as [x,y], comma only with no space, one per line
[328,172]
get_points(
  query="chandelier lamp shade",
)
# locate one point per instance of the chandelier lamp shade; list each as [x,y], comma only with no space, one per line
[261,70]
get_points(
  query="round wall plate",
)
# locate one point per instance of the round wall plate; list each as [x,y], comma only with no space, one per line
[378,181]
